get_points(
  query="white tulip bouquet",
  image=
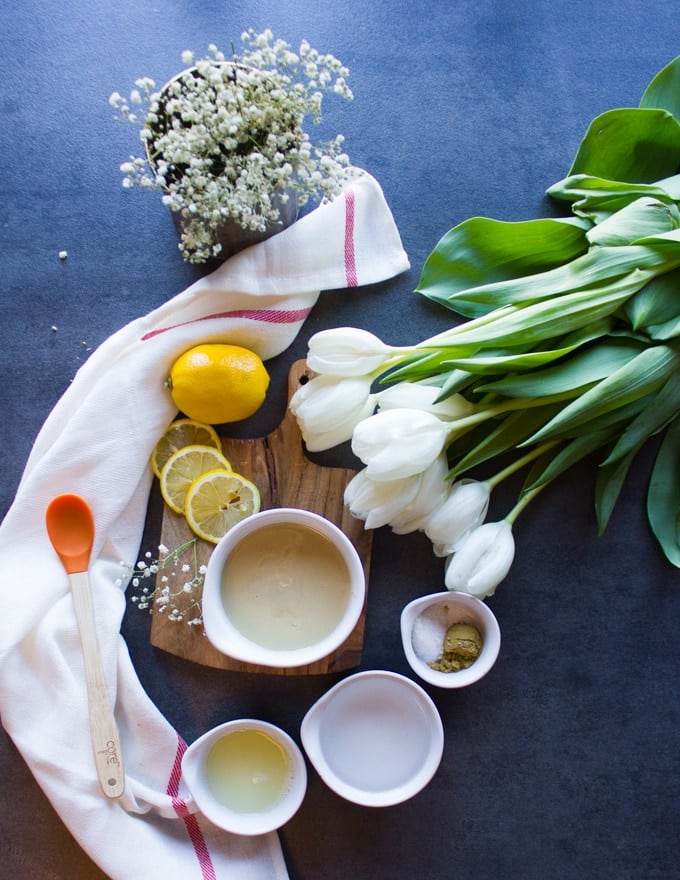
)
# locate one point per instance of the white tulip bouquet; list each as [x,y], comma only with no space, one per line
[569,347]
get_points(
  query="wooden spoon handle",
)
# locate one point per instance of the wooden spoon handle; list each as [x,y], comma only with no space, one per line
[103,728]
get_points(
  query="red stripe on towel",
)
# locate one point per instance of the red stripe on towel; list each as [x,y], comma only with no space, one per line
[269,316]
[350,260]
[189,819]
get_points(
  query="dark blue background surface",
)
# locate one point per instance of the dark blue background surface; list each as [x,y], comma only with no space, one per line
[563,762]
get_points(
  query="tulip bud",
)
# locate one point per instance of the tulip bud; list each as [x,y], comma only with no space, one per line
[483,560]
[346,351]
[399,443]
[463,510]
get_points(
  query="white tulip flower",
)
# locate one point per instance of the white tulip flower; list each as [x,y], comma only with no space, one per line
[346,351]
[483,560]
[327,409]
[416,395]
[464,509]
[377,502]
[397,443]
[432,490]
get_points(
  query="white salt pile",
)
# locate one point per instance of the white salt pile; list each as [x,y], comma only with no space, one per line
[427,635]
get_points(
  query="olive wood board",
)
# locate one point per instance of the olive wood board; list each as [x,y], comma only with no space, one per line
[285,477]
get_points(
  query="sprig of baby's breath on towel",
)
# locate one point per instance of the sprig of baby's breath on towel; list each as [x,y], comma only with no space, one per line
[168,584]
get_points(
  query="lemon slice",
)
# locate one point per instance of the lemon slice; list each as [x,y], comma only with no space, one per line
[217,501]
[185,466]
[180,433]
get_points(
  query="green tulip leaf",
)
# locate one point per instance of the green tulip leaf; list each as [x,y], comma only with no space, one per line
[553,464]
[636,144]
[547,319]
[663,496]
[480,250]
[608,485]
[455,382]
[508,433]
[668,330]
[654,303]
[599,266]
[580,370]
[490,364]
[664,90]
[596,199]
[637,221]
[640,376]
[420,365]
[655,308]
[617,418]
[663,408]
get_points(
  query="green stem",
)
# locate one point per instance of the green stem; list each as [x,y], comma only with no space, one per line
[519,463]
[195,559]
[524,499]
[445,338]
[508,406]
[177,552]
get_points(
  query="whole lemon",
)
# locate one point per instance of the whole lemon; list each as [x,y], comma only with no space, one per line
[217,383]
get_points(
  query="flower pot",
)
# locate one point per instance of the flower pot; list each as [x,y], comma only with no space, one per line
[233,237]
[230,234]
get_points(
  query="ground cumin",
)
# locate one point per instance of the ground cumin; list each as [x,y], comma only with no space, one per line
[462,645]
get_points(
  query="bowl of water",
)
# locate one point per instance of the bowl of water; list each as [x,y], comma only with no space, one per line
[375,738]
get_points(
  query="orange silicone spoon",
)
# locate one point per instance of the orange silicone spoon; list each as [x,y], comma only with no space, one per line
[70,526]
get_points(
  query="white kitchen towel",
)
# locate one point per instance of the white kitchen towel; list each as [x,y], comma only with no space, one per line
[96,443]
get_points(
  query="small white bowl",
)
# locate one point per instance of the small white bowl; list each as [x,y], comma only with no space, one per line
[256,821]
[376,738]
[437,612]
[279,604]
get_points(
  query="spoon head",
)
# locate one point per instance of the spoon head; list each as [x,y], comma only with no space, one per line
[70,527]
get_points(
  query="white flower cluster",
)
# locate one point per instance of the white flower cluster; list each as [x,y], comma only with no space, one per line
[225,139]
[168,584]
[401,434]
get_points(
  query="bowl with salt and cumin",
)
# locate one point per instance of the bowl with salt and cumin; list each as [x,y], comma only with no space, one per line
[450,639]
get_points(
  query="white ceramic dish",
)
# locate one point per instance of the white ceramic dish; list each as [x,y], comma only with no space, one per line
[446,608]
[225,636]
[256,821]
[375,738]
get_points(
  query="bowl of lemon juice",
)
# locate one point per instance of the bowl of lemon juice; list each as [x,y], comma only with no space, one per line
[246,776]
[283,588]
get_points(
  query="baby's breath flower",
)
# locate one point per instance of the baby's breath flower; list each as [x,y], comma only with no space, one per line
[174,593]
[226,139]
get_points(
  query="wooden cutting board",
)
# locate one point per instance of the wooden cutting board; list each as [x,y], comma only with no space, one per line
[285,477]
